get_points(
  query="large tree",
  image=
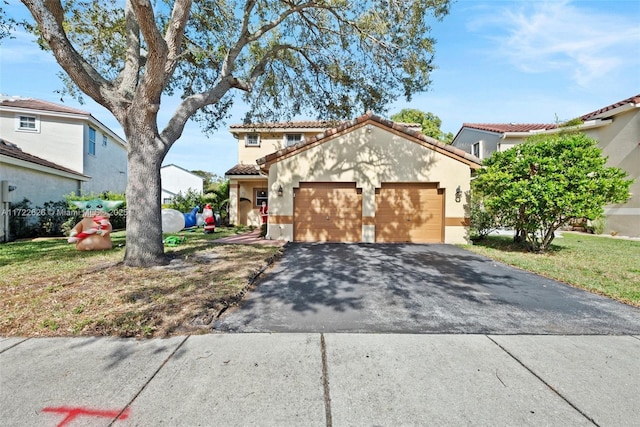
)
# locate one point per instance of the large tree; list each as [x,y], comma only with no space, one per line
[546,182]
[326,58]
[429,122]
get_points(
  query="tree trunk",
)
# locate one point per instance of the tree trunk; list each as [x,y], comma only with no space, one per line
[144,225]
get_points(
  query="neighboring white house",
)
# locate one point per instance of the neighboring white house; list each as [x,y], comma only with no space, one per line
[50,150]
[616,127]
[178,180]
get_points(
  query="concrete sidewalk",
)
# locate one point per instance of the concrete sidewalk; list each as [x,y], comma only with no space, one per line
[320,380]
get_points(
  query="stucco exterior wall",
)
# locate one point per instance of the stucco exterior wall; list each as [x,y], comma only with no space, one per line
[620,142]
[269,143]
[368,157]
[468,137]
[242,208]
[37,186]
[107,168]
[59,140]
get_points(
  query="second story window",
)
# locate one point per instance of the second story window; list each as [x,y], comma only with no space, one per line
[475,150]
[92,141]
[252,140]
[292,139]
[104,140]
[28,123]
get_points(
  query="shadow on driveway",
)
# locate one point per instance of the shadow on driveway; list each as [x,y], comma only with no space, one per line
[401,288]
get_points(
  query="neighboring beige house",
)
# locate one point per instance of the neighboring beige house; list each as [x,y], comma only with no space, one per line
[616,127]
[366,180]
[50,150]
[177,180]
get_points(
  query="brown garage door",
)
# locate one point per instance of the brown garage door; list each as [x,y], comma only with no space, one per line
[409,212]
[327,212]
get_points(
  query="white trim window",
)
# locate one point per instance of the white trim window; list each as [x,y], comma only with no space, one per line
[252,140]
[27,123]
[92,141]
[292,139]
[105,140]
[476,149]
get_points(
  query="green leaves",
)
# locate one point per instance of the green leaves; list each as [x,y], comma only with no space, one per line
[547,181]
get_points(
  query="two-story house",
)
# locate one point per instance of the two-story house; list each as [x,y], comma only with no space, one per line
[50,150]
[616,127]
[362,180]
[248,185]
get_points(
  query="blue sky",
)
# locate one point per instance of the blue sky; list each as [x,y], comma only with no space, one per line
[498,62]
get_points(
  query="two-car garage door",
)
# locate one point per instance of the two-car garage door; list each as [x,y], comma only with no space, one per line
[332,212]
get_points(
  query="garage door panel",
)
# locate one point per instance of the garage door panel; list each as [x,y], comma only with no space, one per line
[409,212]
[328,212]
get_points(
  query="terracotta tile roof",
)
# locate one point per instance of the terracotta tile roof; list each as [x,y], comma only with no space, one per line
[12,150]
[305,124]
[243,170]
[370,116]
[510,127]
[633,100]
[36,104]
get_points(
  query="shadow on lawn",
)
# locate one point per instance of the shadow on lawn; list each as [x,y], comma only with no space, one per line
[506,244]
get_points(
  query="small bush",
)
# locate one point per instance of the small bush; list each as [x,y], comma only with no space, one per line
[22,220]
[482,222]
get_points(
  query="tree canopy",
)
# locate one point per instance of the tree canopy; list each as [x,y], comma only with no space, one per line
[546,182]
[430,123]
[331,59]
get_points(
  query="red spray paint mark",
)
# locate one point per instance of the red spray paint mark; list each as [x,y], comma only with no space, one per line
[73,413]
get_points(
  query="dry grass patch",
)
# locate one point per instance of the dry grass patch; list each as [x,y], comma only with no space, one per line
[49,289]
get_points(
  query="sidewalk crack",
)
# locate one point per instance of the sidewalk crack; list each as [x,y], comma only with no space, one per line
[126,408]
[549,386]
[325,381]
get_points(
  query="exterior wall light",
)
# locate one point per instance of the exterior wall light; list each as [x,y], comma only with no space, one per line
[280,191]
[458,194]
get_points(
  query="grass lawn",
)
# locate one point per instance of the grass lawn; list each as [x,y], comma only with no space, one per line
[602,265]
[47,288]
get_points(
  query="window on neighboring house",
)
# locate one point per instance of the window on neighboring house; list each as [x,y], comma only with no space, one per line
[104,140]
[475,149]
[292,139]
[167,201]
[28,123]
[252,140]
[261,195]
[92,141]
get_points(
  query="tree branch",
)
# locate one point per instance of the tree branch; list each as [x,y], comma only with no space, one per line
[48,15]
[174,35]
[153,80]
[129,75]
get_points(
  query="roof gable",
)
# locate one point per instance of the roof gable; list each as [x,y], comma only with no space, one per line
[411,134]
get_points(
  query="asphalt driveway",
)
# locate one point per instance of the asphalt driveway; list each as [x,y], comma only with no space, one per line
[417,289]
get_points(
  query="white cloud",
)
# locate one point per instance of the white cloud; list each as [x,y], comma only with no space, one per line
[575,39]
[22,49]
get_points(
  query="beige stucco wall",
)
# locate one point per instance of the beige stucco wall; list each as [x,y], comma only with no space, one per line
[269,143]
[620,142]
[369,158]
[241,211]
